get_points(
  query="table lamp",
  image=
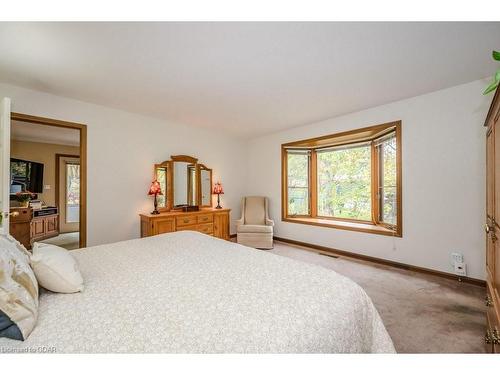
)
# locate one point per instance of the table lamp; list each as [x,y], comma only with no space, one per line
[155,190]
[218,190]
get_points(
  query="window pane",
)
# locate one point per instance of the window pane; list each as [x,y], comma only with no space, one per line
[72,193]
[388,206]
[298,183]
[161,174]
[344,183]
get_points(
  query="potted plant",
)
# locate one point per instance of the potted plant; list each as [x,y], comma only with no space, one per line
[24,197]
[496,77]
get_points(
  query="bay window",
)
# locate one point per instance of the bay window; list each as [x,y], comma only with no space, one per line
[349,180]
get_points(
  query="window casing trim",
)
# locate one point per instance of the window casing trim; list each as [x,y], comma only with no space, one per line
[376,226]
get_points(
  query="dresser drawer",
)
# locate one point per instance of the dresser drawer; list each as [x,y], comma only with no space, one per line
[205,218]
[206,228]
[203,228]
[21,215]
[188,227]
[185,220]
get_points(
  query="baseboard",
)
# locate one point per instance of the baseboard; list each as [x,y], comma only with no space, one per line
[408,267]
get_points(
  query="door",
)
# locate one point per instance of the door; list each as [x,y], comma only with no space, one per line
[4,165]
[490,203]
[164,225]
[495,232]
[69,193]
[51,224]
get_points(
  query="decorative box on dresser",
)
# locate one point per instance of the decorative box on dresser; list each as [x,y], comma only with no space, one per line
[492,227]
[211,221]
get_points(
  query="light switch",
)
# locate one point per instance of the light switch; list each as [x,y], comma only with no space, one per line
[47,187]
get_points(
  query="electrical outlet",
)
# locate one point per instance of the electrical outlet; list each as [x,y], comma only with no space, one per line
[460,269]
[456,258]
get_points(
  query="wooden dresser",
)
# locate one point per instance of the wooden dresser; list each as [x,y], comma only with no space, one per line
[27,228]
[210,221]
[492,227]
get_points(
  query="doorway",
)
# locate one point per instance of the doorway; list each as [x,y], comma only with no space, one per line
[69,190]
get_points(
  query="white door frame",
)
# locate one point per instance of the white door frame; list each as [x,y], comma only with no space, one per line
[5,164]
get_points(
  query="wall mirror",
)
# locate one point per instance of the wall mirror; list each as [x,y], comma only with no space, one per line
[184,182]
[161,175]
[206,186]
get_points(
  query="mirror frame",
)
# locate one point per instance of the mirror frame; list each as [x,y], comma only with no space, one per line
[200,196]
[169,165]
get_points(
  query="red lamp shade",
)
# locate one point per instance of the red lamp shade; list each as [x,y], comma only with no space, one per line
[155,188]
[218,188]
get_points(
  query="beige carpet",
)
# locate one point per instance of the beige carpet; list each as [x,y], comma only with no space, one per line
[422,313]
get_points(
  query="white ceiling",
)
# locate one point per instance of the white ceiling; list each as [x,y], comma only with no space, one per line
[24,131]
[245,78]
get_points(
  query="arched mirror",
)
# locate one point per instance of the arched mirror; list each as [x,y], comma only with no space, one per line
[184,182]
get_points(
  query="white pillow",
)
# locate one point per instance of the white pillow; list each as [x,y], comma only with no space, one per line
[56,269]
[6,240]
[18,292]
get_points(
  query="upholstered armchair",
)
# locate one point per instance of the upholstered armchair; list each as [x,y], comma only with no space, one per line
[255,229]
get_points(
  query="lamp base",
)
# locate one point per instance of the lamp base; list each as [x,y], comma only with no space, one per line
[155,211]
[218,202]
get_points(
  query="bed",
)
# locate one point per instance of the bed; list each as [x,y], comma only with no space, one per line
[186,292]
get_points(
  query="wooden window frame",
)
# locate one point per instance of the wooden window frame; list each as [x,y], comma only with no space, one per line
[309,187]
[370,134]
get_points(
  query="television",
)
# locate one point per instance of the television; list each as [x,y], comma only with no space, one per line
[25,176]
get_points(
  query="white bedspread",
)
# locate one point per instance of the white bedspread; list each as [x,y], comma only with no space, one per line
[190,293]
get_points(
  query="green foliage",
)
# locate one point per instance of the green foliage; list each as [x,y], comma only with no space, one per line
[491,87]
[298,184]
[18,169]
[161,178]
[24,196]
[388,181]
[344,183]
[496,78]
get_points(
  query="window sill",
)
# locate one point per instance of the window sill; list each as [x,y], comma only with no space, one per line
[346,225]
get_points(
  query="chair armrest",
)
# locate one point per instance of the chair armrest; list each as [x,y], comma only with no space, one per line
[241,220]
[270,222]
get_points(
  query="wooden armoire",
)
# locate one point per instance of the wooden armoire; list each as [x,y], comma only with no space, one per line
[492,227]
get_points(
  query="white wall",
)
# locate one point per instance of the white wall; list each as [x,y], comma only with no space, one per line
[443,171]
[122,148]
[443,148]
